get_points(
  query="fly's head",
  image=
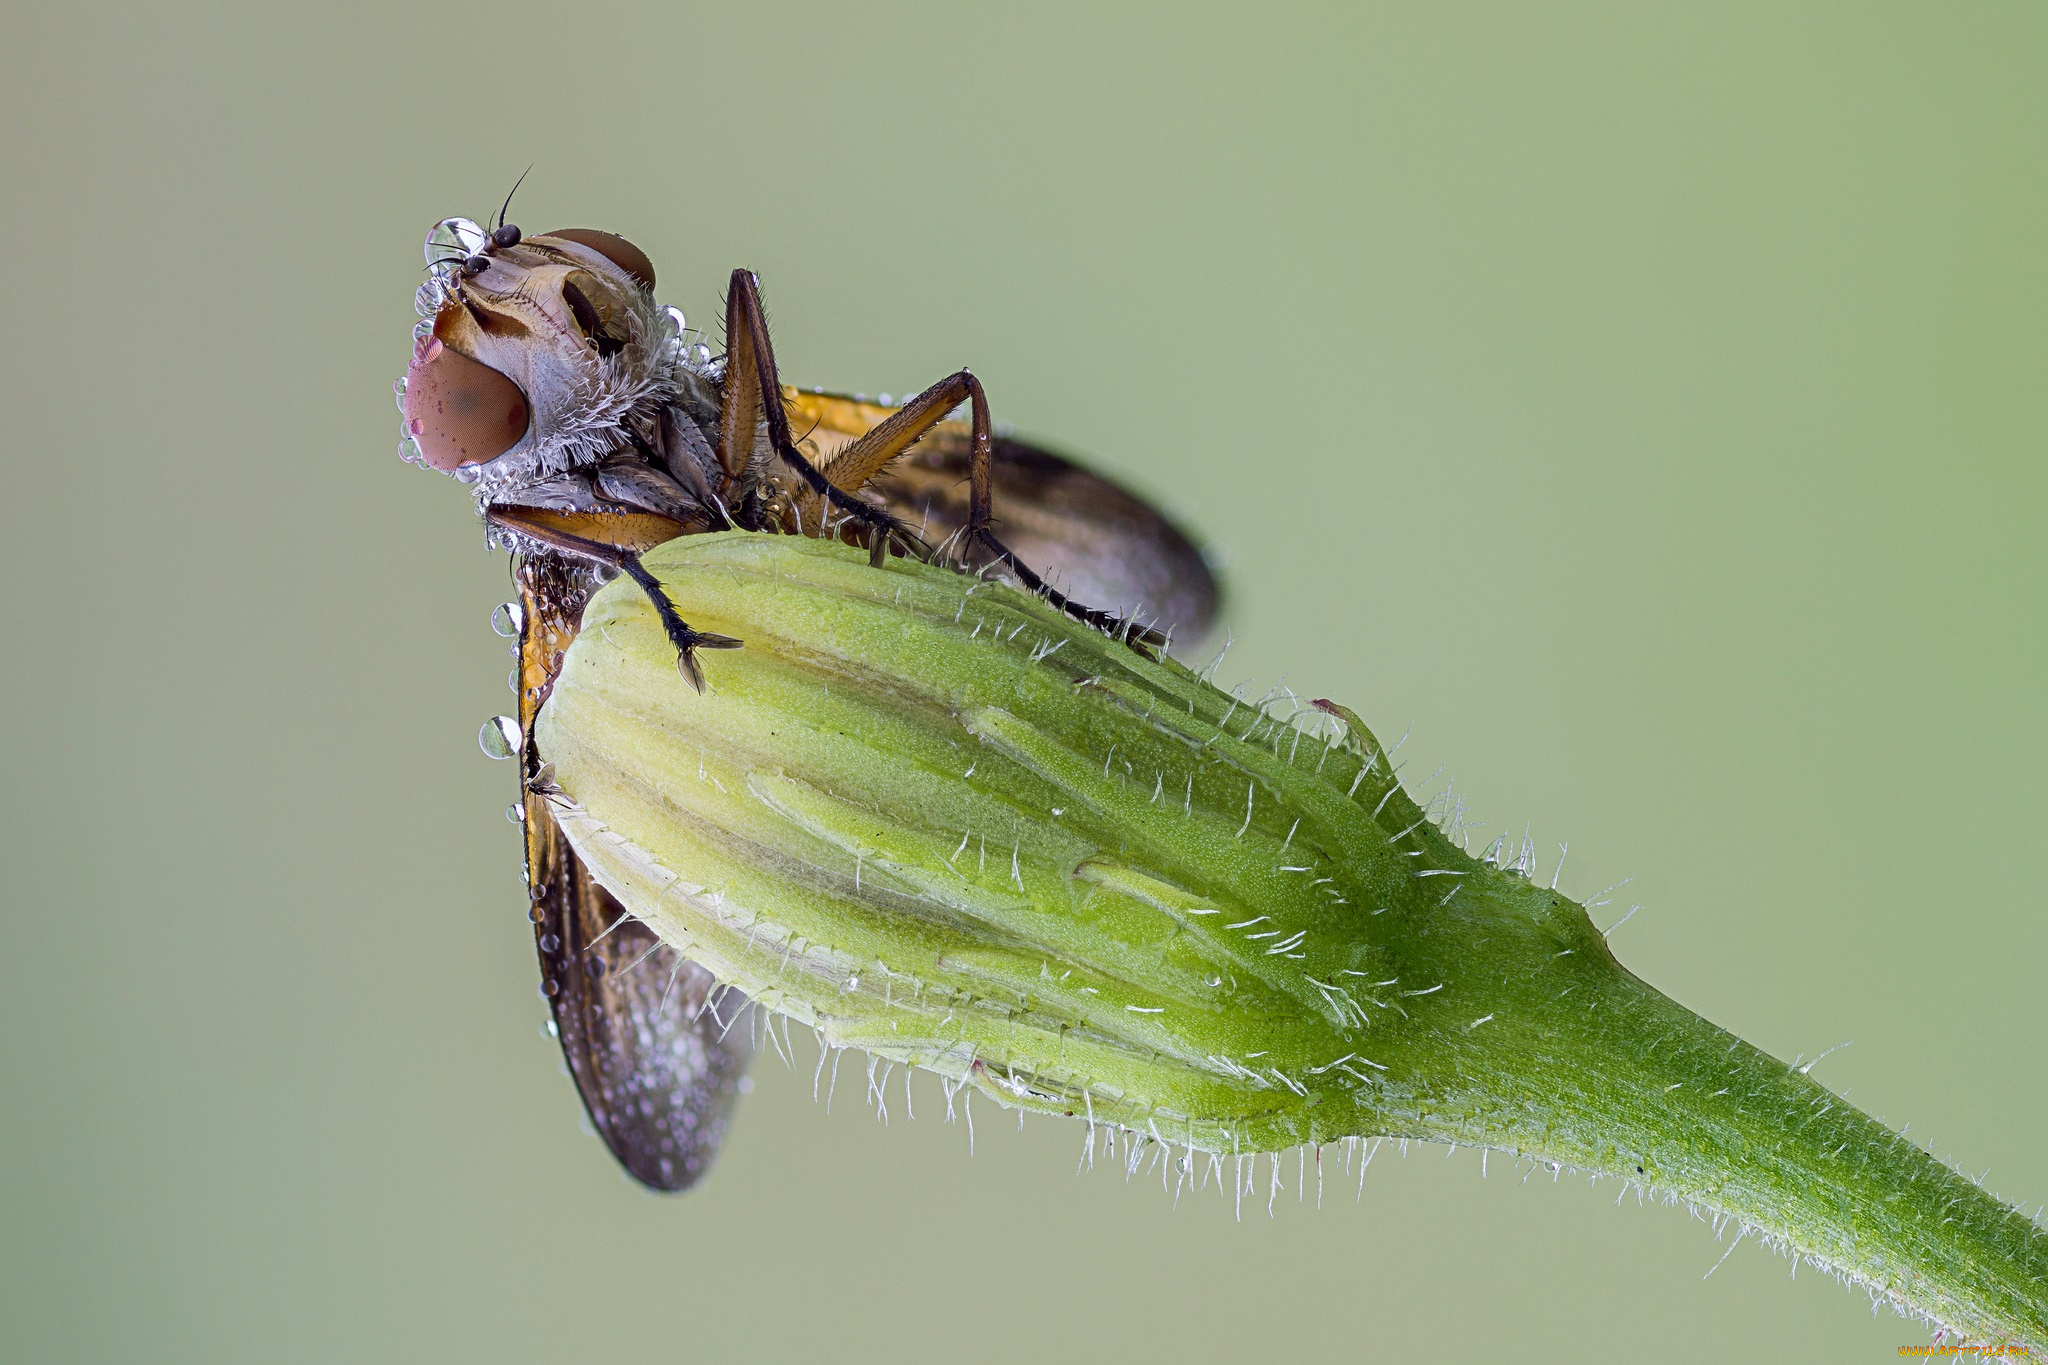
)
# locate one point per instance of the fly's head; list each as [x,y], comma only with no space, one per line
[536,355]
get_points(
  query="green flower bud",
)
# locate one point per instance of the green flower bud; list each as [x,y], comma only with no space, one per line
[941,821]
[937,820]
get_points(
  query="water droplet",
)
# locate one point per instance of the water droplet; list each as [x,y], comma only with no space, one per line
[512,681]
[499,737]
[455,237]
[553,1032]
[593,967]
[551,988]
[516,813]
[675,313]
[550,943]
[885,400]
[505,620]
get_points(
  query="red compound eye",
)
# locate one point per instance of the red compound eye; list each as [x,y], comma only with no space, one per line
[460,411]
[615,249]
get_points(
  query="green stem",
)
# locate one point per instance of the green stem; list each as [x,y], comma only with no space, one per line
[1626,1082]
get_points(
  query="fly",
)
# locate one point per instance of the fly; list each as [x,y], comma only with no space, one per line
[593,426]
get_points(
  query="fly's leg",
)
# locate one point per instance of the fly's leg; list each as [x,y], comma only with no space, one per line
[980,515]
[687,639]
[753,396]
[754,392]
[549,530]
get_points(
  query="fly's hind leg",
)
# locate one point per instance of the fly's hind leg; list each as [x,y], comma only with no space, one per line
[868,456]
[551,530]
[981,514]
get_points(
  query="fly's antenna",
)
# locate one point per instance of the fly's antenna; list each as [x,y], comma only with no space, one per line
[507,206]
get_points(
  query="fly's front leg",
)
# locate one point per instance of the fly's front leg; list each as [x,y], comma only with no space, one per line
[617,542]
[681,634]
[753,395]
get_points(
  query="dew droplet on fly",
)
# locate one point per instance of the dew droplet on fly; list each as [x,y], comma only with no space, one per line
[456,237]
[499,737]
[505,620]
[515,813]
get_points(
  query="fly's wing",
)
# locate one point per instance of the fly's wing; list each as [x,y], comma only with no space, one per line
[1092,539]
[645,1031]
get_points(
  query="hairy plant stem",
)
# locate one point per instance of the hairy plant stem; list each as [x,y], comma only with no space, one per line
[937,820]
[1594,1069]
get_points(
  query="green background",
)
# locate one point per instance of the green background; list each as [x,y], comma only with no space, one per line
[1646,402]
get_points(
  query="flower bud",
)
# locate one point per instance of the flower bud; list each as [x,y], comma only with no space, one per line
[940,821]
[937,819]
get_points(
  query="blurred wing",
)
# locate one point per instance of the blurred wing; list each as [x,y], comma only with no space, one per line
[1090,538]
[645,1032]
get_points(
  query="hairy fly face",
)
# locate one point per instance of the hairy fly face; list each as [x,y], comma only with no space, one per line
[535,355]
